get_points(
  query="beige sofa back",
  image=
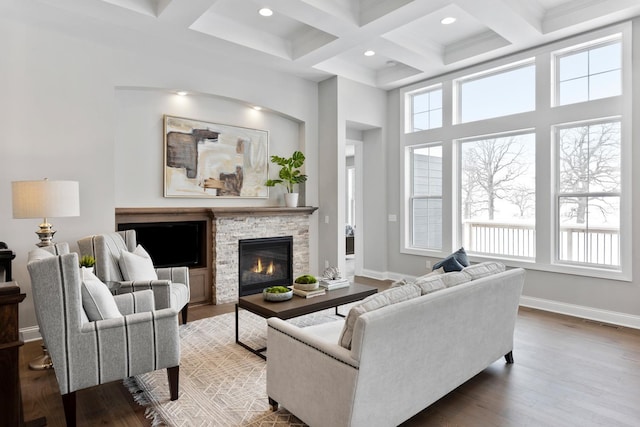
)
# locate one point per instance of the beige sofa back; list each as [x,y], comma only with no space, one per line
[414,352]
[403,356]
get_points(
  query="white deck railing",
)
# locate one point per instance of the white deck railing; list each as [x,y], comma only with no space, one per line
[596,245]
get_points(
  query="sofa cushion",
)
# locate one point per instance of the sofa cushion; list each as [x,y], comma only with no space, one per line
[137,265]
[454,278]
[430,283]
[483,269]
[454,262]
[97,301]
[403,282]
[373,302]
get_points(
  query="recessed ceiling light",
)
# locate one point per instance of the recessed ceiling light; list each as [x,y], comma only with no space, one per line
[448,20]
[181,93]
[265,11]
[369,53]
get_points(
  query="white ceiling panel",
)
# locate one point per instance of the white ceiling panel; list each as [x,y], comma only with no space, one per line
[316,39]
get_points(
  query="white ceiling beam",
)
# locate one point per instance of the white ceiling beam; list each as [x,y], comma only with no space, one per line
[507,18]
[470,48]
[349,70]
[422,59]
[184,12]
[351,36]
[581,11]
[235,32]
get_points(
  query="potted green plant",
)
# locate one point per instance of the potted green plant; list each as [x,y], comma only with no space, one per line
[306,282]
[87,261]
[289,175]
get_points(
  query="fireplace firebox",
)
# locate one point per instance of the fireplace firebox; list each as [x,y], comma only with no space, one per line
[264,262]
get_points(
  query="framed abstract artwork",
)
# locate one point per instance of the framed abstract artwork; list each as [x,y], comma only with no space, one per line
[211,160]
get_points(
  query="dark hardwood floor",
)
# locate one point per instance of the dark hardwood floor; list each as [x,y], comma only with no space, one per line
[567,372]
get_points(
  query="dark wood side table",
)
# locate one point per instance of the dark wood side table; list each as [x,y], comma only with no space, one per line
[10,342]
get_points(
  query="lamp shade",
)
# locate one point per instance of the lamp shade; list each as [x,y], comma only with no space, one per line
[45,199]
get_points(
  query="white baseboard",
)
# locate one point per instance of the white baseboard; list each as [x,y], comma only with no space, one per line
[382,275]
[596,314]
[584,312]
[31,333]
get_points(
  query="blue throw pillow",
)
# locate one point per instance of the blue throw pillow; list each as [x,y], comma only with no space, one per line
[454,262]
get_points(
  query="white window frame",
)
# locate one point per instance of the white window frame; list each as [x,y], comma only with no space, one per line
[543,119]
[409,122]
[583,47]
[413,197]
[482,75]
[558,194]
[460,202]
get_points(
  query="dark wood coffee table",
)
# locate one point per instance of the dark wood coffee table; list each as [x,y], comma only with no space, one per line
[298,306]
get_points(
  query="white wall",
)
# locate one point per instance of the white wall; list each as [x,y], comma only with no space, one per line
[344,104]
[70,107]
[139,149]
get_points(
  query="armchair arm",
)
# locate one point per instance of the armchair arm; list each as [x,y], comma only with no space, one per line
[299,336]
[135,302]
[161,290]
[307,375]
[175,274]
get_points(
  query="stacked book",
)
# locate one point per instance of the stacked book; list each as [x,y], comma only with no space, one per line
[331,284]
[308,294]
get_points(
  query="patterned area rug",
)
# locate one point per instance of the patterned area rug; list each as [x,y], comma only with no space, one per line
[221,383]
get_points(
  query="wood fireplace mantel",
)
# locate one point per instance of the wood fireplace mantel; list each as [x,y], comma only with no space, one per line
[201,279]
[155,214]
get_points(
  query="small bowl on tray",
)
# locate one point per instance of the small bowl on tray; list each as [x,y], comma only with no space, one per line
[306,282]
[277,293]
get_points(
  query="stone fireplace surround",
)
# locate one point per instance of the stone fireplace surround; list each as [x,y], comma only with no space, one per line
[217,283]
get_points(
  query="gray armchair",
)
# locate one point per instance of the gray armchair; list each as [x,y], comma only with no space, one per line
[87,353]
[106,248]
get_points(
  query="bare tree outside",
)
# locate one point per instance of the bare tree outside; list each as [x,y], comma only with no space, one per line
[589,164]
[494,169]
[523,197]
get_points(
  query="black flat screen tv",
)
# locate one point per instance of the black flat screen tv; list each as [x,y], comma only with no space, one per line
[172,244]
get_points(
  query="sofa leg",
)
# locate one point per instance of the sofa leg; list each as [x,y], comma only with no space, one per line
[273,404]
[174,376]
[69,404]
[185,309]
[509,357]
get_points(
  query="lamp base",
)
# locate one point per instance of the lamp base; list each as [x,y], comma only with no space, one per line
[42,362]
[45,234]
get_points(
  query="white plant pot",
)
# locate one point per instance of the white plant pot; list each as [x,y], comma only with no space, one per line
[291,200]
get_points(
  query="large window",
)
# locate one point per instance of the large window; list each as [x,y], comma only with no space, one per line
[498,195]
[426,109]
[497,93]
[534,166]
[589,73]
[426,197]
[588,194]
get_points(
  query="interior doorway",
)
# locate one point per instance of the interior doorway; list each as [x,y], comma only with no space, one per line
[353,207]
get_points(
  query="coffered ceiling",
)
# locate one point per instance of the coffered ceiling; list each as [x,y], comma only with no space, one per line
[316,39]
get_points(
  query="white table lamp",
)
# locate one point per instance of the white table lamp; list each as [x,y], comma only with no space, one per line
[45,199]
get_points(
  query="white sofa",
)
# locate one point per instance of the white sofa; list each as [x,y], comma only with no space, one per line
[403,356]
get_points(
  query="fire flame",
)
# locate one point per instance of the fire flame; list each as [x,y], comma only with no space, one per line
[260,269]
